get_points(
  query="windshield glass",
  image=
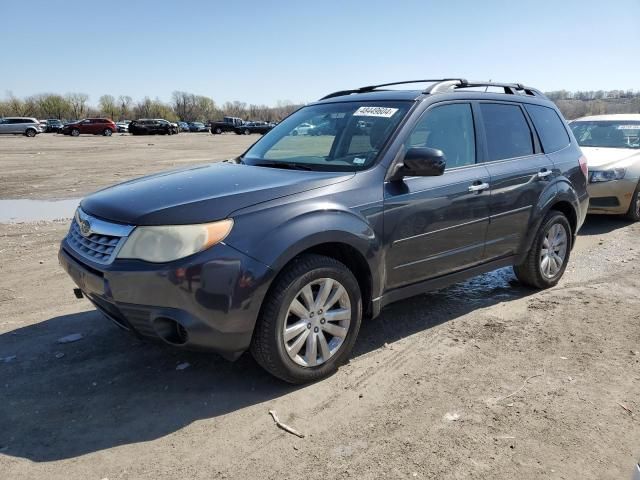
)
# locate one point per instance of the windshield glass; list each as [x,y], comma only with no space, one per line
[343,136]
[608,134]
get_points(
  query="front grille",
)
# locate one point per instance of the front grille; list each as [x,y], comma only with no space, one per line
[102,241]
[604,202]
[96,247]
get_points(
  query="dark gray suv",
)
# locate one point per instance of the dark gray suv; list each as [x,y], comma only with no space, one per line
[284,250]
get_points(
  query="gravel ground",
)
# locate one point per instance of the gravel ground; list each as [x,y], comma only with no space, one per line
[483,380]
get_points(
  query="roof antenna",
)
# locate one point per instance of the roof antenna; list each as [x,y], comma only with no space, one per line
[487,87]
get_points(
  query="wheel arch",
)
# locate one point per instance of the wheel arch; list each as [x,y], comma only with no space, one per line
[561,198]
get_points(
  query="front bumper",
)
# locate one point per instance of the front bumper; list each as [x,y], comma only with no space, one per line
[208,301]
[612,197]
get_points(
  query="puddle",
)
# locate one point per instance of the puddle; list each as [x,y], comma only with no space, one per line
[27,210]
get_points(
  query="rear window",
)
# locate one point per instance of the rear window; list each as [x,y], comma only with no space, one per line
[550,128]
[507,131]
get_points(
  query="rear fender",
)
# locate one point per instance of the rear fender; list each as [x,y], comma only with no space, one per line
[556,193]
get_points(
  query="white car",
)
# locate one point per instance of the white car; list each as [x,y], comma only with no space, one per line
[611,144]
[302,129]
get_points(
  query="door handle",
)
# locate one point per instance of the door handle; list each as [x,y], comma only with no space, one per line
[478,187]
[544,173]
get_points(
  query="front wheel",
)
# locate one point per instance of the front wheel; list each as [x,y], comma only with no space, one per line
[247,131]
[547,260]
[634,209]
[218,130]
[309,321]
[75,132]
[107,132]
[30,133]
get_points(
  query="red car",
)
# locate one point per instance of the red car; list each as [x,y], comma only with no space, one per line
[93,126]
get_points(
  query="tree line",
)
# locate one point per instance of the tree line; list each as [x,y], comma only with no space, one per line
[190,107]
[183,106]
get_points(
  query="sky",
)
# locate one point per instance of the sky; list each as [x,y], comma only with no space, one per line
[268,51]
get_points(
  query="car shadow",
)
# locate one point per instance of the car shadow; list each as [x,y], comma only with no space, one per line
[601,224]
[109,389]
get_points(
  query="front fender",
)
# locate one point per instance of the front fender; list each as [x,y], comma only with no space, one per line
[276,235]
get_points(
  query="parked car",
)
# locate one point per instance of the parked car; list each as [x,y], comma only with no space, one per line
[184,126]
[611,144]
[284,250]
[53,125]
[27,126]
[91,126]
[227,124]
[198,127]
[123,126]
[253,127]
[303,129]
[152,126]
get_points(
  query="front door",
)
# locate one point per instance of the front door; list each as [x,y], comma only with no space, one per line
[437,225]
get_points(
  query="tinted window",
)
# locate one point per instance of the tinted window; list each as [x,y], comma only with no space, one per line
[507,131]
[450,129]
[550,128]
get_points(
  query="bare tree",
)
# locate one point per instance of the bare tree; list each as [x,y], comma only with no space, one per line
[78,103]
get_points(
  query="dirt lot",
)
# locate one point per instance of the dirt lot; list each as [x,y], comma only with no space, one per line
[59,166]
[483,380]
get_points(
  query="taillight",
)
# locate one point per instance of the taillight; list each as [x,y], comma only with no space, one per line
[583,166]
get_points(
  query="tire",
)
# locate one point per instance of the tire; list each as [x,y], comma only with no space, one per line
[294,133]
[247,131]
[531,271]
[107,132]
[634,209]
[75,132]
[218,130]
[30,132]
[268,345]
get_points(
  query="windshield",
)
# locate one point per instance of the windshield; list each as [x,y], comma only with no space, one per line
[343,136]
[607,134]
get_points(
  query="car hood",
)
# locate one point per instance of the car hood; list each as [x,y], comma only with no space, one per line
[599,158]
[201,194]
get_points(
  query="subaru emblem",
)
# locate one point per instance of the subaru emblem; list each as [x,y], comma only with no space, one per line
[85,228]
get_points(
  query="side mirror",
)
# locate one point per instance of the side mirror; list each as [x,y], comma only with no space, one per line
[421,162]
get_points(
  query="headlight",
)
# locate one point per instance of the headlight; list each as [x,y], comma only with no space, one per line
[607,175]
[171,242]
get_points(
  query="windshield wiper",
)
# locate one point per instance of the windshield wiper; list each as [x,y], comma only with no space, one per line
[285,165]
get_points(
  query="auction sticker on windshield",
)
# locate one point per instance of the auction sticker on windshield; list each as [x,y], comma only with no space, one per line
[385,112]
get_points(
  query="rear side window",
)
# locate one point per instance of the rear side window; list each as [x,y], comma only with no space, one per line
[507,131]
[550,128]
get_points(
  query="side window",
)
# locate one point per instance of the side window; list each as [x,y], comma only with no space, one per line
[507,131]
[550,128]
[448,128]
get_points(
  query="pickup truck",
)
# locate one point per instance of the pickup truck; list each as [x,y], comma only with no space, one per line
[228,124]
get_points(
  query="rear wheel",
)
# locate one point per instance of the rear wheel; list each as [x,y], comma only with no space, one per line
[218,130]
[310,320]
[247,131]
[547,260]
[107,132]
[30,132]
[634,209]
[75,132]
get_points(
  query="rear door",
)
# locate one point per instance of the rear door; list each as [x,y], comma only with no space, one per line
[519,171]
[437,225]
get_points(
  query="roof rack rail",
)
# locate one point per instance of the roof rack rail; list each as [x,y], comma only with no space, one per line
[509,88]
[370,88]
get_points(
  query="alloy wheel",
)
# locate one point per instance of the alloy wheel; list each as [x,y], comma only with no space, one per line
[554,250]
[317,322]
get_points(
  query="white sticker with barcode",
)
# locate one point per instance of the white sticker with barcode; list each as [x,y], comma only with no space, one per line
[629,127]
[385,112]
